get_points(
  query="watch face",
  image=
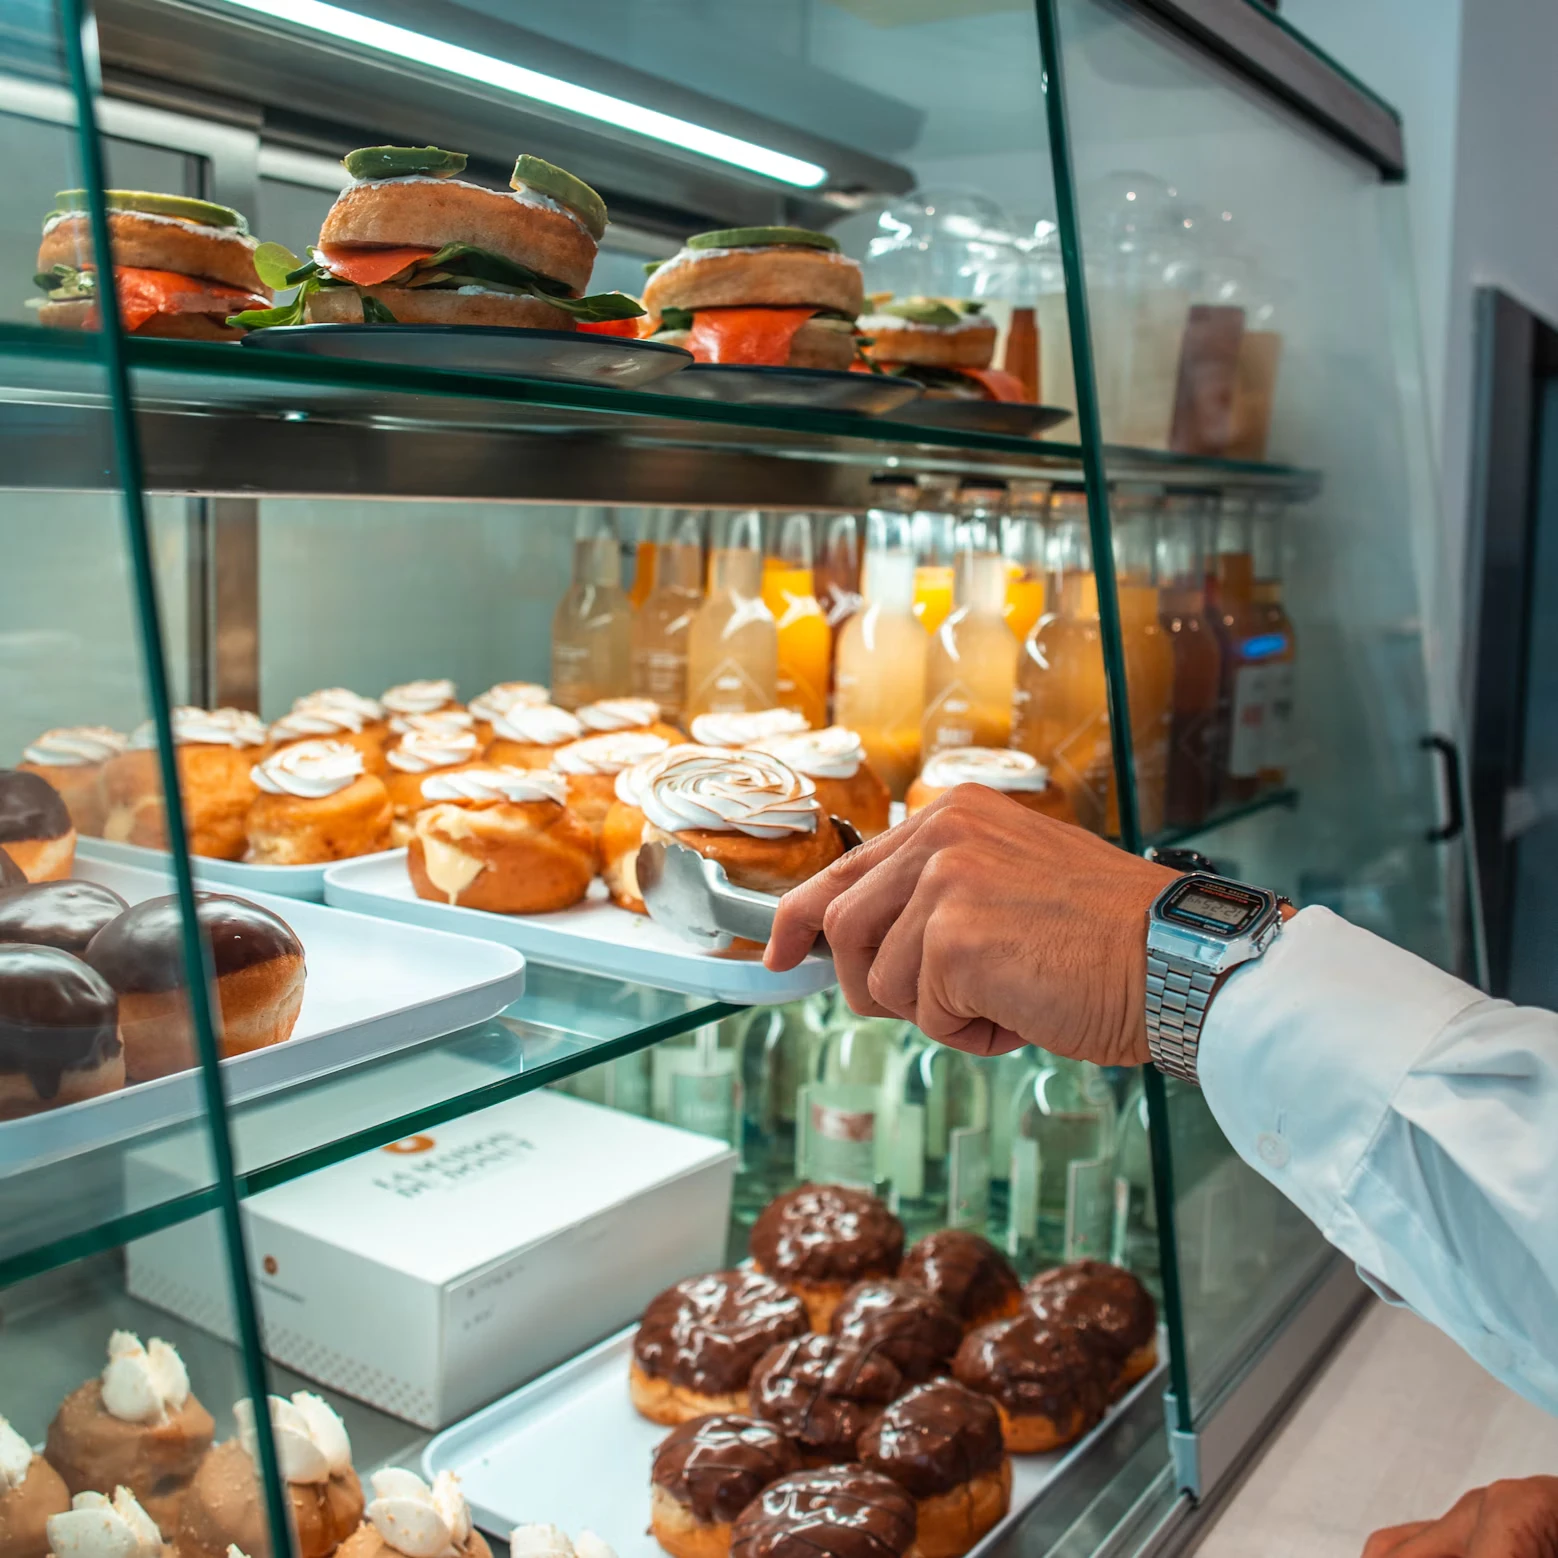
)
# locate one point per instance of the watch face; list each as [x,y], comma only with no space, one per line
[1223,908]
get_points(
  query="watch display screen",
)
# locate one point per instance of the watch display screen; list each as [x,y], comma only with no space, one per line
[1215,906]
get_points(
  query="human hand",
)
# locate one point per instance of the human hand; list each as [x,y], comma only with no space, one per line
[988,927]
[1517,1518]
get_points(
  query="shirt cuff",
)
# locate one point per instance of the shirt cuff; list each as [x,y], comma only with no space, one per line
[1304,1049]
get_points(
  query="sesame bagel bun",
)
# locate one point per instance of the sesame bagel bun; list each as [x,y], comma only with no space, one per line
[432,212]
[430,306]
[783,275]
[80,314]
[155,243]
[968,344]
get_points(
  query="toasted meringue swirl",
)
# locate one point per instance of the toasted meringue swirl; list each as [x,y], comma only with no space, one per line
[206,727]
[484,786]
[608,754]
[537,725]
[437,746]
[418,697]
[310,770]
[741,730]
[631,782]
[619,714]
[366,709]
[729,792]
[310,721]
[450,719]
[75,746]
[997,768]
[834,753]
[505,695]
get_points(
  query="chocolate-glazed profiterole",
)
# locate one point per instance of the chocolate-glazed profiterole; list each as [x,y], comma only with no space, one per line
[1048,1382]
[258,963]
[706,1472]
[11,874]
[967,1273]
[59,1040]
[819,1240]
[912,1327]
[837,1512]
[66,915]
[35,826]
[1109,1305]
[942,1443]
[698,1342]
[824,1392]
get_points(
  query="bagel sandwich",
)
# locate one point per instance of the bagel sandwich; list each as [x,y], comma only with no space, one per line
[411,242]
[775,296]
[942,345]
[181,266]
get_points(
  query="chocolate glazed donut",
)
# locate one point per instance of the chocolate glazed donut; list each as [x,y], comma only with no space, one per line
[824,1392]
[11,874]
[903,1322]
[35,826]
[967,1273]
[1109,1305]
[59,1040]
[706,1472]
[66,915]
[837,1512]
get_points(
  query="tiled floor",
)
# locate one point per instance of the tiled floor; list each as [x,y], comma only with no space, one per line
[1399,1426]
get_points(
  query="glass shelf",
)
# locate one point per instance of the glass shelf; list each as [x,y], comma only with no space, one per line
[1285,798]
[77,1206]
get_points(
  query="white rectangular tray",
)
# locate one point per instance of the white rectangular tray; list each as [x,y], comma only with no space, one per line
[569,1449]
[594,937]
[306,882]
[372,988]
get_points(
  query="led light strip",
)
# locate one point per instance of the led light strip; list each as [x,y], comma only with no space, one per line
[353,27]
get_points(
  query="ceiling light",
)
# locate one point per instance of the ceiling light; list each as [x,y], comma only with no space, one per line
[353,27]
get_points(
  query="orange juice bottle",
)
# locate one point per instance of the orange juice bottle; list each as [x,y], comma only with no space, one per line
[805,640]
[733,643]
[1279,647]
[1022,540]
[661,625]
[1149,656]
[1240,630]
[655,524]
[933,553]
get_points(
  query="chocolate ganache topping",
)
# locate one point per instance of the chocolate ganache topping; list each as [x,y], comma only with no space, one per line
[938,1437]
[1105,1301]
[66,915]
[1035,1368]
[837,1512]
[910,1326]
[142,952]
[706,1333]
[827,1233]
[967,1273]
[717,1465]
[30,808]
[11,874]
[56,1015]
[824,1392]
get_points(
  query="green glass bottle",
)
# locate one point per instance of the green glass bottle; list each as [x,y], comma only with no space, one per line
[939,1172]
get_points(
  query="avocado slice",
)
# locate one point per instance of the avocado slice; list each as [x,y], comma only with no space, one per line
[403,162]
[205,212]
[922,311]
[560,185]
[757,237]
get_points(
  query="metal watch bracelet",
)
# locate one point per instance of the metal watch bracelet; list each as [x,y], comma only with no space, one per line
[1177,995]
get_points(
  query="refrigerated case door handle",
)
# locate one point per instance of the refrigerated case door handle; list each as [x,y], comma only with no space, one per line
[1450,764]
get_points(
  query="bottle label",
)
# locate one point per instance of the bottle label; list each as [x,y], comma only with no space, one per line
[1027,1172]
[1276,743]
[947,722]
[838,1142]
[968,1177]
[727,689]
[570,672]
[662,676]
[1247,721]
[1089,1207]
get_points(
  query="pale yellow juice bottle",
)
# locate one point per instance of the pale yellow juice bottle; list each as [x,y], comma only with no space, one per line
[880,682]
[592,628]
[661,626]
[805,639]
[733,643]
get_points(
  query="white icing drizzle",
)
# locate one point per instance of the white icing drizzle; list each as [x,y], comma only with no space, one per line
[486,786]
[310,770]
[619,714]
[418,697]
[418,1520]
[421,751]
[997,768]
[311,1441]
[729,792]
[75,746]
[537,725]
[834,753]
[741,730]
[612,753]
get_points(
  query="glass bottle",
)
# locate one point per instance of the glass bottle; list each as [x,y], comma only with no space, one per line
[1279,653]
[1061,1175]
[623,1083]
[1009,1077]
[1239,628]
[971,666]
[845,1122]
[651,535]
[1183,522]
[694,1081]
[805,640]
[592,628]
[934,550]
[1023,542]
[733,643]
[1134,1237]
[939,1175]
[836,575]
[661,626]
[880,691]
[1260,354]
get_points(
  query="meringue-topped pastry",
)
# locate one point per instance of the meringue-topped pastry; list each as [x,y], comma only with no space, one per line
[448,719]
[408,1517]
[426,749]
[96,1526]
[543,1541]
[1014,773]
[743,730]
[137,1424]
[359,722]
[316,804]
[204,727]
[225,1506]
[622,829]
[368,711]
[30,1492]
[621,714]
[504,695]
[71,759]
[593,764]
[526,734]
[835,761]
[425,697]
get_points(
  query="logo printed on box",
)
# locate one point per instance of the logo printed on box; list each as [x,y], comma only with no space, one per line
[455,1167]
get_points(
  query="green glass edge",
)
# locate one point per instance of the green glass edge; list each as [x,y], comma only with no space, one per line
[1271,800]
[1096,477]
[1329,60]
[79,36]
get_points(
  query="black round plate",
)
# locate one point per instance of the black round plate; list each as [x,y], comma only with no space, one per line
[1017,419]
[819,389]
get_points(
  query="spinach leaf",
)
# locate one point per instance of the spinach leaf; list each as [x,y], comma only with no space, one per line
[676,318]
[376,313]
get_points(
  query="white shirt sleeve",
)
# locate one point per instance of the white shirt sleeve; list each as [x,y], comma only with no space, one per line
[1413,1120]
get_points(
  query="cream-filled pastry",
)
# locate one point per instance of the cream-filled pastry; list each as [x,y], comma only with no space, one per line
[216,748]
[316,803]
[425,697]
[525,735]
[835,761]
[138,1424]
[342,722]
[225,1506]
[408,1517]
[591,767]
[742,730]
[611,715]
[622,830]
[1013,773]
[30,1492]
[71,759]
[502,839]
[427,749]
[489,705]
[96,1526]
[35,827]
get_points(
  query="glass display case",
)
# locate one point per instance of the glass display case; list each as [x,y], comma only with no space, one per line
[1165,549]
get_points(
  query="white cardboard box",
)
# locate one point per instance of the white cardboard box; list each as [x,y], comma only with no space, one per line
[433,1275]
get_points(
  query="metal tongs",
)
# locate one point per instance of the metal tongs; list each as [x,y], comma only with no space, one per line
[692,896]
